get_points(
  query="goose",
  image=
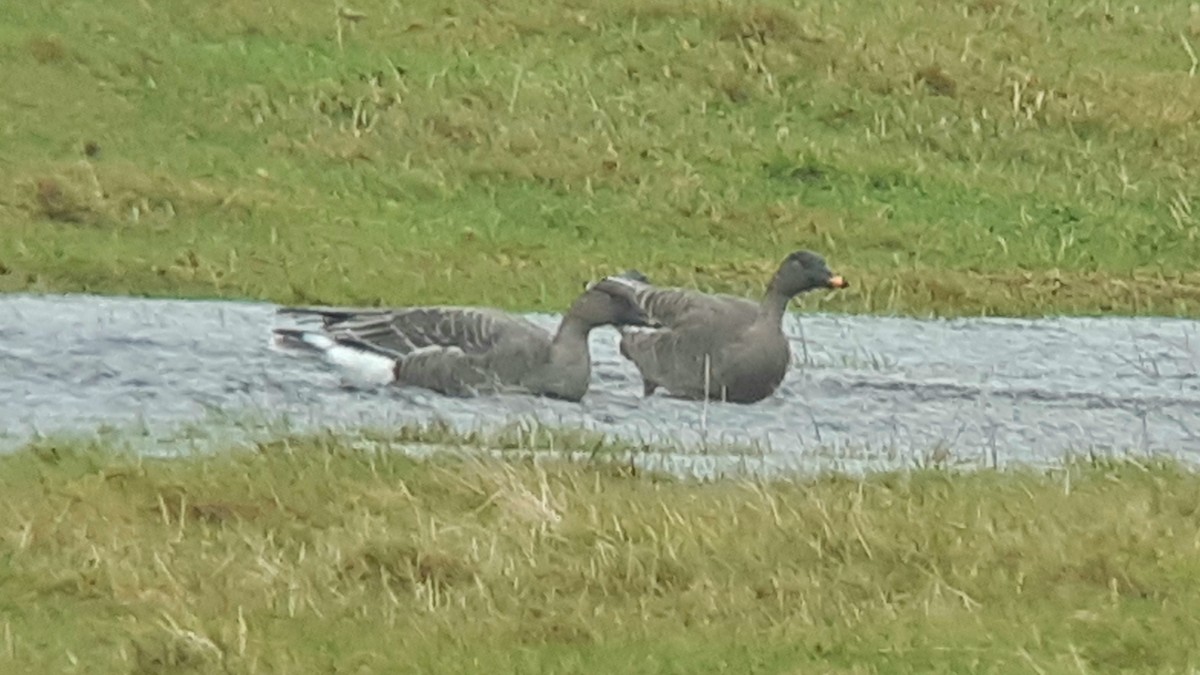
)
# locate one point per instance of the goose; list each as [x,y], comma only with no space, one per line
[738,341]
[466,351]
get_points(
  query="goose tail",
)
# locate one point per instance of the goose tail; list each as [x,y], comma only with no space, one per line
[366,361]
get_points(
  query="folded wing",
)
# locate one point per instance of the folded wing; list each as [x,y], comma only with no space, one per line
[678,307]
[404,331]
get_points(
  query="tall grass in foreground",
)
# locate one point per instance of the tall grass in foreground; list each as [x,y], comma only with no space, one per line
[308,557]
[988,156]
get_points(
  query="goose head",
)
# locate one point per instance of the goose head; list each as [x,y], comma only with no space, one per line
[804,271]
[610,301]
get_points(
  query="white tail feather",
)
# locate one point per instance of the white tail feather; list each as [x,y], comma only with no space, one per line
[371,367]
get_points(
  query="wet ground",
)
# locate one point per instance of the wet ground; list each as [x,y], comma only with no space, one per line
[865,392]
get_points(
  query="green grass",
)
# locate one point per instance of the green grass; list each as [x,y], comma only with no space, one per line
[950,158]
[306,556]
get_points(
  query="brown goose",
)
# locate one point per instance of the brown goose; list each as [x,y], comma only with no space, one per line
[466,351]
[741,342]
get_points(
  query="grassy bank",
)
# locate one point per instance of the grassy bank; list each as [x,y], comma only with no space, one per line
[308,557]
[976,157]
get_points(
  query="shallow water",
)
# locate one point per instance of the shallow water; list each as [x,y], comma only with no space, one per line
[865,393]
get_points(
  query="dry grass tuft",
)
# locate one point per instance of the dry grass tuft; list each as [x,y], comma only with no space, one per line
[116,195]
[404,566]
[937,81]
[64,202]
[48,49]
[759,21]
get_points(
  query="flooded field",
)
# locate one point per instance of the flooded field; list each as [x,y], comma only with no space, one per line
[865,392]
